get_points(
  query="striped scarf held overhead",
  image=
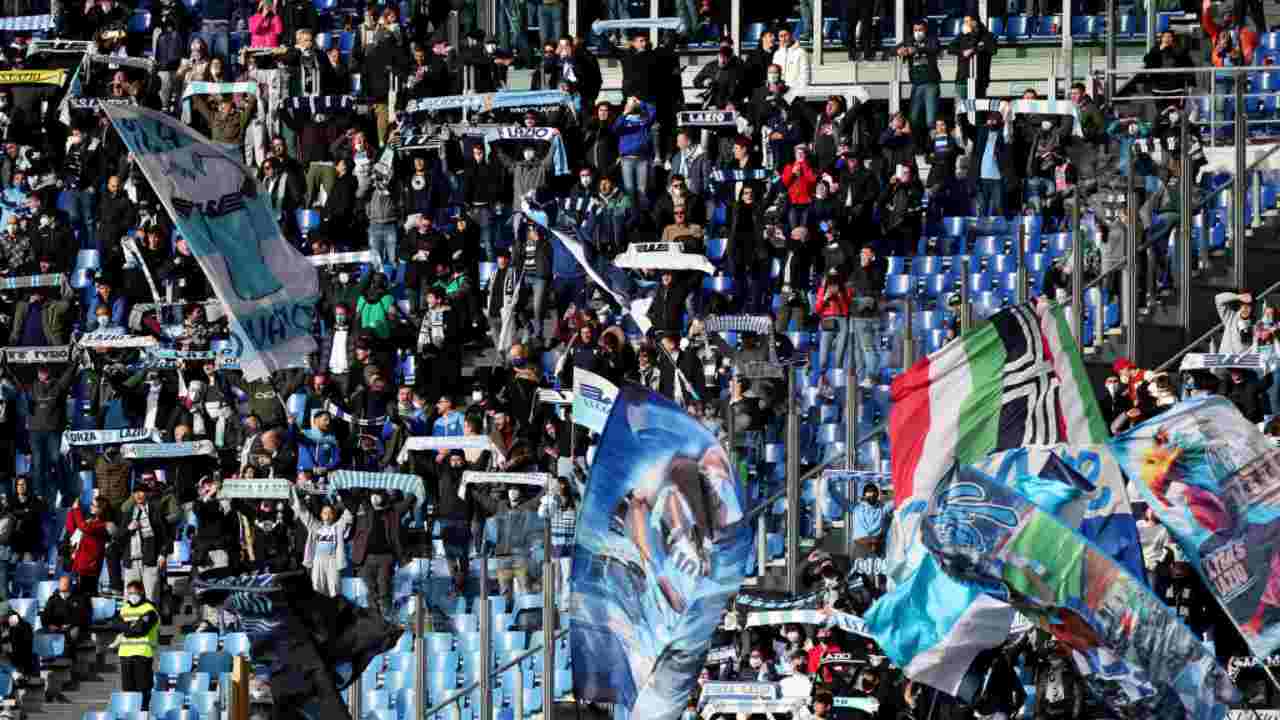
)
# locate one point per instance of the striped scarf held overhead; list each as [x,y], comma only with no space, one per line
[316,105]
[660,23]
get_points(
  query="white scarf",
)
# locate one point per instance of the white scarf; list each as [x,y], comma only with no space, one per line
[244,451]
[153,406]
[220,413]
[338,353]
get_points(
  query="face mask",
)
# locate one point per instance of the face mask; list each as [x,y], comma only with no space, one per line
[919,36]
[513,496]
[529,154]
[341,320]
[490,47]
[756,662]
[103,321]
[1174,117]
[134,599]
[774,78]
[376,501]
[793,636]
[1046,126]
[585,182]
[46,220]
[4,103]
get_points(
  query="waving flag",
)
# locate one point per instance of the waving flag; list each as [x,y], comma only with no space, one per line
[661,547]
[268,287]
[1214,481]
[1017,380]
[1098,502]
[982,530]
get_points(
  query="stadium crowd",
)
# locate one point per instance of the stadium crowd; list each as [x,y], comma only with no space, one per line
[804,207]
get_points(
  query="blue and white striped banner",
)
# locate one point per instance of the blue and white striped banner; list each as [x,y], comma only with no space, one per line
[268,288]
[153,451]
[826,618]
[33,281]
[738,707]
[26,23]
[407,484]
[659,23]
[1025,107]
[489,101]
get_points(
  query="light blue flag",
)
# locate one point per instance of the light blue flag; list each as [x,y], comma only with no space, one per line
[268,287]
[661,547]
[593,398]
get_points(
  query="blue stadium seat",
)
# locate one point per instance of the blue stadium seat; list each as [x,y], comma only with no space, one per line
[214,663]
[125,702]
[923,265]
[193,682]
[45,590]
[722,284]
[173,663]
[1016,28]
[1002,263]
[354,590]
[25,577]
[237,644]
[198,643]
[375,700]
[140,22]
[24,608]
[466,623]
[98,715]
[988,245]
[980,281]
[204,704]
[49,646]
[716,248]
[898,286]
[162,702]
[468,642]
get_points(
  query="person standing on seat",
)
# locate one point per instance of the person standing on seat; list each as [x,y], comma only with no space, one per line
[137,643]
[376,545]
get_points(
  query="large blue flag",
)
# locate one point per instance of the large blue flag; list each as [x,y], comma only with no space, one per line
[1214,480]
[661,547]
[1090,489]
[981,530]
[268,288]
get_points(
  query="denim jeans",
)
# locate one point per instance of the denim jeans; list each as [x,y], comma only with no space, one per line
[511,27]
[45,467]
[538,290]
[635,179]
[687,10]
[863,344]
[382,241]
[550,23]
[218,42]
[484,219]
[832,342]
[1037,189]
[924,107]
[990,198]
[79,205]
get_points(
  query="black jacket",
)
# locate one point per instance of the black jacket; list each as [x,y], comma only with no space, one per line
[116,214]
[984,44]
[483,182]
[667,310]
[1159,58]
[70,612]
[724,84]
[644,74]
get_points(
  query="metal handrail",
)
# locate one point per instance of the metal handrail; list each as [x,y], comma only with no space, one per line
[463,692]
[1209,333]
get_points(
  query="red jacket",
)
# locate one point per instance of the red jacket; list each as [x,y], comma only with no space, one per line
[264,31]
[87,559]
[1247,38]
[800,180]
[835,305]
[819,651]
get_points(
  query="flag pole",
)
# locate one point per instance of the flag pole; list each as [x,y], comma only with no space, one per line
[549,616]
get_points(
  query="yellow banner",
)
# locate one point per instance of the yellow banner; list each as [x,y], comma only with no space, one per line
[38,77]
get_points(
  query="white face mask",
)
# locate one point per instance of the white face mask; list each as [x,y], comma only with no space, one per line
[134,598]
[46,220]
[793,636]
[585,182]
[477,396]
[513,496]
[529,153]
[103,321]
[376,501]
[490,47]
[756,662]
[1046,126]
[774,78]
[919,36]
